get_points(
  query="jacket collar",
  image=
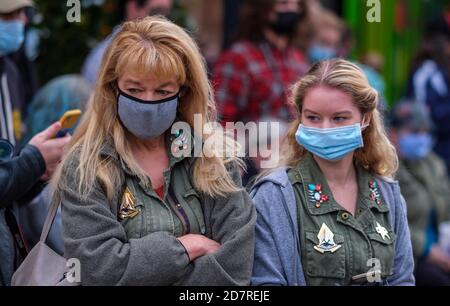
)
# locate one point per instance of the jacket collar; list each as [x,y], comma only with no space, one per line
[171,140]
[309,175]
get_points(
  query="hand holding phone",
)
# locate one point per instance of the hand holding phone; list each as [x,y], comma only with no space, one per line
[67,121]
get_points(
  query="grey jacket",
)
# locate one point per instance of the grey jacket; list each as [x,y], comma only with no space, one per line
[277,251]
[93,234]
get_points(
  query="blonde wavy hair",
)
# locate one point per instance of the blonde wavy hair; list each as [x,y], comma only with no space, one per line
[155,46]
[378,155]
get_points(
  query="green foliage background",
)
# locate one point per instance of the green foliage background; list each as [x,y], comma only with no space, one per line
[64,46]
[397,37]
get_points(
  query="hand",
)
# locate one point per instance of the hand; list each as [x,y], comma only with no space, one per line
[51,148]
[439,258]
[198,245]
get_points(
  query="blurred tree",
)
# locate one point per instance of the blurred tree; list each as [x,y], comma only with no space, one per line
[396,37]
[64,45]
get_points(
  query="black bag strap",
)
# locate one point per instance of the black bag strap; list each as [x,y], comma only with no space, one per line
[19,240]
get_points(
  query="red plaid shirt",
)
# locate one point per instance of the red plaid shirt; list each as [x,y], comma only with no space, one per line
[252,82]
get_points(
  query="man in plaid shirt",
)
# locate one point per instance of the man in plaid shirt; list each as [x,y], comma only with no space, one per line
[253,78]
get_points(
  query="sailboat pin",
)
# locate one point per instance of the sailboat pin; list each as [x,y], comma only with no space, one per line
[326,240]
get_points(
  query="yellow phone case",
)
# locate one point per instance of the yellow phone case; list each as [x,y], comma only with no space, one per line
[70,118]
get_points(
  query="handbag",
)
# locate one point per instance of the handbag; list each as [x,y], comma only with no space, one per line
[43,266]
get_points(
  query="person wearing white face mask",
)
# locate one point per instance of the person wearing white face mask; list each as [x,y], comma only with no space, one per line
[425,185]
[331,211]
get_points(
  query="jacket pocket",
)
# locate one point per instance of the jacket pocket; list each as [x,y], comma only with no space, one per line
[327,264]
[384,251]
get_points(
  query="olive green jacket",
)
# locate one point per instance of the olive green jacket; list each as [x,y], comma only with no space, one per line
[279,247]
[93,234]
[425,186]
[356,240]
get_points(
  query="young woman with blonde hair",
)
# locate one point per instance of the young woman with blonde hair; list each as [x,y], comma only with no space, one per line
[134,210]
[331,214]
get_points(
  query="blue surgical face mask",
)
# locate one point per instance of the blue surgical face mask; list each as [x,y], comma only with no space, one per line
[319,53]
[331,144]
[11,36]
[414,146]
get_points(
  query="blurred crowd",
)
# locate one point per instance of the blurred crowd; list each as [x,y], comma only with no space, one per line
[275,43]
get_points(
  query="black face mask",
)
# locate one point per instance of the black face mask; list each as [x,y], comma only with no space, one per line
[286,23]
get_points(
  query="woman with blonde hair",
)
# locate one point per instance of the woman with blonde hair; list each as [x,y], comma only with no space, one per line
[331,214]
[137,207]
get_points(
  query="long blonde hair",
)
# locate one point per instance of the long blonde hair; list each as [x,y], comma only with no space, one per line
[378,155]
[155,46]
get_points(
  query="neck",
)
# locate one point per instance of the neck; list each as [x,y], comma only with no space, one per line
[148,145]
[337,173]
[280,42]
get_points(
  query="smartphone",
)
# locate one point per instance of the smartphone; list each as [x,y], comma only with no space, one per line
[68,120]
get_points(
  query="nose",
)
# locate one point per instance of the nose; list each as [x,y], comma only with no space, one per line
[149,95]
[327,124]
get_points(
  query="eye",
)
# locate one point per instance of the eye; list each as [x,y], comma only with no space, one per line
[163,92]
[312,117]
[134,91]
[339,119]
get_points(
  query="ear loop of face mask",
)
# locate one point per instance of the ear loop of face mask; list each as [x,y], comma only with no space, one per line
[363,127]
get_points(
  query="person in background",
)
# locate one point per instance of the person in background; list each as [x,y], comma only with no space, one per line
[425,185]
[266,148]
[327,33]
[129,10]
[12,24]
[21,178]
[61,94]
[25,59]
[332,38]
[253,77]
[429,82]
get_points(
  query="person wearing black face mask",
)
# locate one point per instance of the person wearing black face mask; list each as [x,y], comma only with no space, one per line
[261,64]
[253,77]
[286,22]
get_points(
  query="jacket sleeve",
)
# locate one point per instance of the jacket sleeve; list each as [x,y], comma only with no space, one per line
[404,261]
[19,175]
[232,221]
[92,234]
[267,267]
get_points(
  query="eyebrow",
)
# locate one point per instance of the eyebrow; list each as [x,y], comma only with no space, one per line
[170,83]
[128,81]
[133,82]
[334,114]
[343,113]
